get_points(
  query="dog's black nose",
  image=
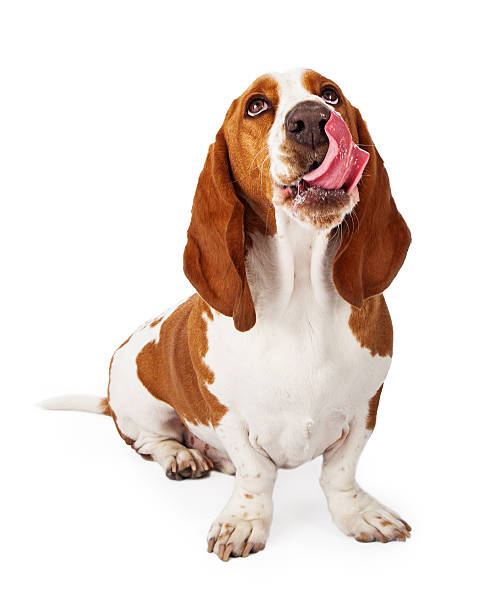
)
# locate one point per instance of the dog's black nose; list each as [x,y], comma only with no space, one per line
[305,123]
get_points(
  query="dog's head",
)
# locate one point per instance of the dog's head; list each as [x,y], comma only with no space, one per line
[272,137]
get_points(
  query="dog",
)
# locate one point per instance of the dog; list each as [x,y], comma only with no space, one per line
[281,354]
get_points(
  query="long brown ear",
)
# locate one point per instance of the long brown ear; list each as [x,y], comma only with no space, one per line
[214,257]
[374,248]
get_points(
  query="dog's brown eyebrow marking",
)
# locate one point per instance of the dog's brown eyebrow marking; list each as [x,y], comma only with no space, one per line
[265,85]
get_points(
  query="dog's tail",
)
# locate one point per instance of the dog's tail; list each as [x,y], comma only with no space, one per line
[85,403]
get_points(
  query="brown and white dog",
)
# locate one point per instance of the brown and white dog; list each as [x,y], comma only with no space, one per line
[281,354]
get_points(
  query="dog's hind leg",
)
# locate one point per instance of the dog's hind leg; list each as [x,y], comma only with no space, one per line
[149,425]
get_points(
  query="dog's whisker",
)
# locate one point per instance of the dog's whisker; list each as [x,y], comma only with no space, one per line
[256,155]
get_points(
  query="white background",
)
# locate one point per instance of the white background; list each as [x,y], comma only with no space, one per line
[107,110]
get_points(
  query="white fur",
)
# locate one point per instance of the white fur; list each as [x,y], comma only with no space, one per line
[84,403]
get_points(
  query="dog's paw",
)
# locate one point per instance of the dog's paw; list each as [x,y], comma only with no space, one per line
[237,537]
[361,516]
[181,462]
[380,525]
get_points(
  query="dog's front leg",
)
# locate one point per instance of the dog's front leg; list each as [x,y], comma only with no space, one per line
[354,511]
[243,525]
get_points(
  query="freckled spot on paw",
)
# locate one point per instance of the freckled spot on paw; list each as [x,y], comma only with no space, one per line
[364,537]
[258,475]
[385,523]
[245,514]
[355,496]
[227,526]
[248,496]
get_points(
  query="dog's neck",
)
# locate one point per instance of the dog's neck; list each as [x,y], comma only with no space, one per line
[292,270]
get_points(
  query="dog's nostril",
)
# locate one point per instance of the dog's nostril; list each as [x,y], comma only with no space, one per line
[296,126]
[313,166]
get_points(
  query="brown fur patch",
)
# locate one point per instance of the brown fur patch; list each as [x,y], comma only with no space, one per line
[173,368]
[373,409]
[371,325]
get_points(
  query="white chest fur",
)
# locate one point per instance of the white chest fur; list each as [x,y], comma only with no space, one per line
[298,376]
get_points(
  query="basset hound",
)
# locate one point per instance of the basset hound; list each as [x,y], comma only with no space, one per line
[281,354]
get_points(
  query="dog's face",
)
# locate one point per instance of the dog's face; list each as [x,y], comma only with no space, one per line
[273,142]
[275,132]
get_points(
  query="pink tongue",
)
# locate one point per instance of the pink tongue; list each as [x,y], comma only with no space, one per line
[344,162]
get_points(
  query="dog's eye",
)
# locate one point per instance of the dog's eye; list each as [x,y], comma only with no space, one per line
[256,106]
[330,95]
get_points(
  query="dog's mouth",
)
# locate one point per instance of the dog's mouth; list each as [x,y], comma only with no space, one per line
[332,184]
[310,200]
[307,198]
[300,186]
